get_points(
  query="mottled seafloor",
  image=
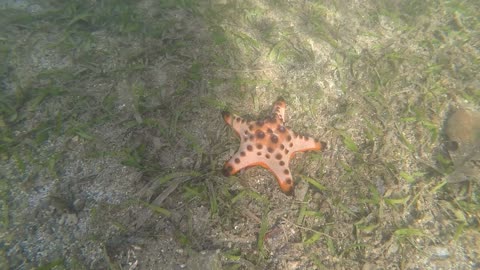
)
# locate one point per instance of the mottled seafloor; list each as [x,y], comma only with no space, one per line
[112,141]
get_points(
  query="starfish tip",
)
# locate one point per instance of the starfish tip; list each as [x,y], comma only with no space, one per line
[226,116]
[290,192]
[324,145]
[227,170]
[280,103]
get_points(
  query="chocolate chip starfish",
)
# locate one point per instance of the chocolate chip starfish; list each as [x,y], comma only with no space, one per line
[269,144]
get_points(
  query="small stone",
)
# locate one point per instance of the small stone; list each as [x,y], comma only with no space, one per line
[71,219]
[78,205]
[441,252]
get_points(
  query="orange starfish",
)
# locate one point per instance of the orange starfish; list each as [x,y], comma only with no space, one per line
[269,144]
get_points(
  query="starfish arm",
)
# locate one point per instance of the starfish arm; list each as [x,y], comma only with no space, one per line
[238,124]
[276,163]
[279,109]
[243,158]
[300,143]
[281,171]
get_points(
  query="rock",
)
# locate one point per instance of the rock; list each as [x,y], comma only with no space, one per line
[463,131]
[78,205]
[440,252]
[463,127]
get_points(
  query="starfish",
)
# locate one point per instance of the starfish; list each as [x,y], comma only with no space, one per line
[268,143]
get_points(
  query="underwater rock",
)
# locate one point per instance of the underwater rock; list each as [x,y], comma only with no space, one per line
[463,127]
[463,131]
